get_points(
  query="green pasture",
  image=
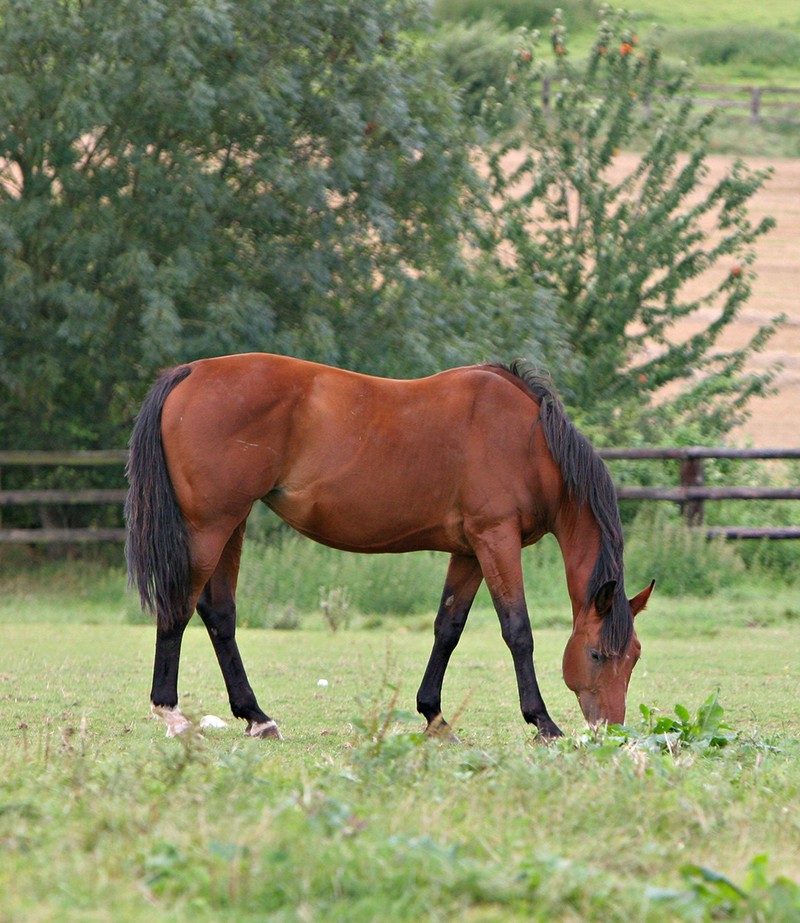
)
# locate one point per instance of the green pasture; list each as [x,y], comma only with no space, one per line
[683,14]
[728,44]
[355,816]
[731,41]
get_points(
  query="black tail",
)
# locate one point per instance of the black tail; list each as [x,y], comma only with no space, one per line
[157,546]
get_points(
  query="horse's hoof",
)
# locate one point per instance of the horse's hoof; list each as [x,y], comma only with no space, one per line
[439,729]
[548,731]
[176,722]
[263,730]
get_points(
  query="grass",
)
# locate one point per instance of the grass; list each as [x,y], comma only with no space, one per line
[354,816]
[781,14]
[728,44]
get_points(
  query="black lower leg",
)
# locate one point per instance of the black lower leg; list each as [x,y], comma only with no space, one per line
[165,668]
[464,577]
[220,621]
[516,629]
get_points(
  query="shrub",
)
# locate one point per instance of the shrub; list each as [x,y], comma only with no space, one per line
[475,56]
[621,253]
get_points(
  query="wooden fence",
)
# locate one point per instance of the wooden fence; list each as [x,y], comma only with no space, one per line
[44,498]
[780,104]
[762,103]
[692,493]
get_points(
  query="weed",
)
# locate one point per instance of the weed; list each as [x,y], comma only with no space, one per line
[706,729]
[708,894]
[335,606]
[704,732]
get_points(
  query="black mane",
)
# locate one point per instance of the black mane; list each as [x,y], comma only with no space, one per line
[587,480]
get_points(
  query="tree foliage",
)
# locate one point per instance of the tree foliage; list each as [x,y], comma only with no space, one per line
[630,258]
[196,178]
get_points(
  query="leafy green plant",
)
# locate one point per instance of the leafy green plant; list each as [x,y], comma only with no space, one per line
[383,730]
[705,730]
[475,57]
[715,896]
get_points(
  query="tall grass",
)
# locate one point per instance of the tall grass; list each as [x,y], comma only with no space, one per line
[283,580]
[735,44]
[289,582]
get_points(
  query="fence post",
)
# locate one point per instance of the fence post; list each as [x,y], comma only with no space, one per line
[692,476]
[755,103]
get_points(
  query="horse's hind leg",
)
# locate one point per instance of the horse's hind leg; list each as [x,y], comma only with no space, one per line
[164,694]
[217,608]
[462,582]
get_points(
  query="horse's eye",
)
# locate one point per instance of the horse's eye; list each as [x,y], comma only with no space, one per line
[596,656]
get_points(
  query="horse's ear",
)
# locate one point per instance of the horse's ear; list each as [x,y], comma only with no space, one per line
[604,597]
[640,600]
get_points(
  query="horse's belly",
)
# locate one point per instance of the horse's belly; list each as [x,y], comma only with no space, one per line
[368,522]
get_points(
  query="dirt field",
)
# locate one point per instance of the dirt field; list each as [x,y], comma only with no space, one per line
[774,421]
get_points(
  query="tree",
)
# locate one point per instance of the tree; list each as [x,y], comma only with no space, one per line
[619,253]
[195,178]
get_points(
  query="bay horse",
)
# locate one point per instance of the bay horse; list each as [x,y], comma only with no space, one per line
[478,462]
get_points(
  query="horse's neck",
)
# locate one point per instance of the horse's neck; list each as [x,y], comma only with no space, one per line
[578,535]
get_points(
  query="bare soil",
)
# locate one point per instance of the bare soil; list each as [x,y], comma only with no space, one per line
[774,421]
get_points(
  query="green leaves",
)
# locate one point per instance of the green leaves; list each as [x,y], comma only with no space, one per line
[701,732]
[631,254]
[179,180]
[714,896]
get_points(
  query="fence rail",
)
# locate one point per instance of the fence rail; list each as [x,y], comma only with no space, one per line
[692,492]
[30,497]
[762,103]
[779,104]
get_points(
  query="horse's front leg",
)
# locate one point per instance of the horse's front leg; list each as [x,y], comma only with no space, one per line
[515,626]
[462,582]
[500,555]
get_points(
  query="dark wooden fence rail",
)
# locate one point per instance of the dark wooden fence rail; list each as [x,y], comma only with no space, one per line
[691,494]
[8,498]
[779,104]
[770,103]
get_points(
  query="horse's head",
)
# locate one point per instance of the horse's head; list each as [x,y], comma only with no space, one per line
[599,679]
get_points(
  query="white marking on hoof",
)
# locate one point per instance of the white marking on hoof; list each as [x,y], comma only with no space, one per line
[263,730]
[212,721]
[175,720]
